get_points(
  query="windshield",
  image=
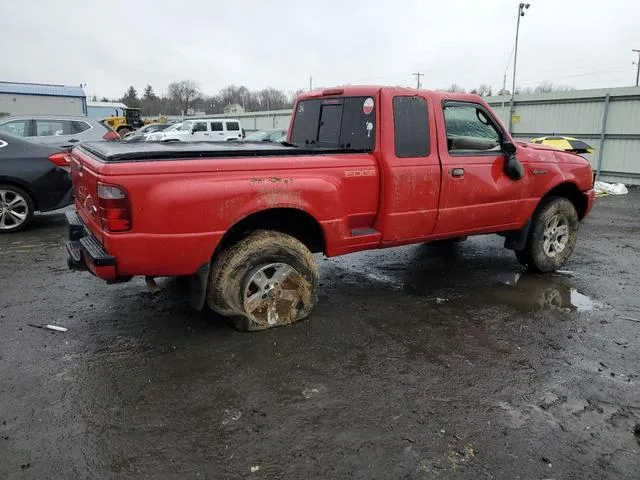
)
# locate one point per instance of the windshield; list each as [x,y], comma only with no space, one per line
[256,136]
[335,122]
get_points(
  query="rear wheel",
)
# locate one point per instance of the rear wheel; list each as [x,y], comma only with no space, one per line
[268,279]
[16,209]
[123,131]
[552,236]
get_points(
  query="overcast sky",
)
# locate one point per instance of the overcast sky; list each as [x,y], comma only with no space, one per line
[258,43]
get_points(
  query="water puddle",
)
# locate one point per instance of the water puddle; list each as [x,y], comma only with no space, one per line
[537,292]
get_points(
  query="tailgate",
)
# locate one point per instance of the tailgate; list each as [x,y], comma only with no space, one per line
[84,175]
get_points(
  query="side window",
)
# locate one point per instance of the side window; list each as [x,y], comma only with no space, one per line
[470,129]
[216,126]
[411,127]
[200,127]
[79,127]
[19,128]
[233,126]
[47,128]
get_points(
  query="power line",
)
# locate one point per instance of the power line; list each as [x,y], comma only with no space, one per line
[418,75]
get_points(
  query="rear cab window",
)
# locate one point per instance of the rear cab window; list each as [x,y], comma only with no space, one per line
[411,127]
[335,122]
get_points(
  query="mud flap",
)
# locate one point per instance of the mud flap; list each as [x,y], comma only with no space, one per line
[515,240]
[198,287]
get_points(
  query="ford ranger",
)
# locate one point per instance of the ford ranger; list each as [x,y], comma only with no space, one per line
[362,168]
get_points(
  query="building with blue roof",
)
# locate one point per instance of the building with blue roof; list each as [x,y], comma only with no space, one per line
[41,99]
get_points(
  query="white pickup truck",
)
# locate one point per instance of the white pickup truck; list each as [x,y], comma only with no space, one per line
[201,130]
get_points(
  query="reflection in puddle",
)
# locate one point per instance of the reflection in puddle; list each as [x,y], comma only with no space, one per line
[581,302]
[533,292]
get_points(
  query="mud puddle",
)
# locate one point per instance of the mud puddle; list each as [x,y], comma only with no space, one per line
[539,292]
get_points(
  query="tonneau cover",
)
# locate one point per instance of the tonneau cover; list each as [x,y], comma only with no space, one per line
[140,151]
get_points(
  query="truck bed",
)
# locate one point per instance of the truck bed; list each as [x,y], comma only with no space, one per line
[120,152]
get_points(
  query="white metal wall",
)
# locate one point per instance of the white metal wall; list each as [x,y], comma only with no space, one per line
[15,104]
[579,114]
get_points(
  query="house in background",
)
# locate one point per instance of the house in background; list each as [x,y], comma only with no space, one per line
[233,109]
[41,99]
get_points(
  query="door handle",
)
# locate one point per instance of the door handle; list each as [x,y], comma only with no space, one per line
[457,172]
[73,140]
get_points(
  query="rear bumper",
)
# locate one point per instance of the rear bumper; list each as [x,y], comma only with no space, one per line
[85,252]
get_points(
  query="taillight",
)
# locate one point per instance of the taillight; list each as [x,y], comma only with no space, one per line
[111,135]
[62,160]
[115,211]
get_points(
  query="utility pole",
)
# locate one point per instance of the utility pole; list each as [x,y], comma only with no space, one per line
[418,75]
[310,83]
[638,64]
[521,8]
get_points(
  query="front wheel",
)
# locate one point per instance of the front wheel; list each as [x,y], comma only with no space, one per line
[268,279]
[552,236]
[16,209]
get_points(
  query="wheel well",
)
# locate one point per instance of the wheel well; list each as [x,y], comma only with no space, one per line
[291,221]
[15,183]
[571,192]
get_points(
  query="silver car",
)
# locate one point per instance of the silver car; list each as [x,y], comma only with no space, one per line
[57,130]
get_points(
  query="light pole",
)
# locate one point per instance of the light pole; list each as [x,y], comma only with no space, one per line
[637,63]
[521,8]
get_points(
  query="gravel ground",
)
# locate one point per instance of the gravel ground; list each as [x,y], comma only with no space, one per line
[420,362]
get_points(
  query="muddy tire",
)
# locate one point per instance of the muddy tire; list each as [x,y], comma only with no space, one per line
[16,209]
[552,236]
[268,279]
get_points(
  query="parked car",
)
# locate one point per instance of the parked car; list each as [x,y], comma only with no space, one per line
[57,130]
[367,168]
[201,130]
[266,136]
[138,135]
[33,177]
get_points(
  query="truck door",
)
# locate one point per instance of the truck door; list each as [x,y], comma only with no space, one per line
[199,132]
[217,132]
[476,194]
[410,166]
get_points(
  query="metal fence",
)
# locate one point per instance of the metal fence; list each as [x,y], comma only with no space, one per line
[607,119]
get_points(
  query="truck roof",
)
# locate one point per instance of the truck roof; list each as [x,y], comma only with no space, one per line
[372,90]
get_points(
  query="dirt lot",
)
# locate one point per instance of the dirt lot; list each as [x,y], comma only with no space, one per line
[419,362]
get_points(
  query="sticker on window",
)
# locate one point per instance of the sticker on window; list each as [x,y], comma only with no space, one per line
[367,106]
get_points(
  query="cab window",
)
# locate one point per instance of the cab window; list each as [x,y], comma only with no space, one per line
[347,123]
[233,126]
[411,127]
[470,129]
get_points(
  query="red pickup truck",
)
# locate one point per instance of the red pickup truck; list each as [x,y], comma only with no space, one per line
[362,168]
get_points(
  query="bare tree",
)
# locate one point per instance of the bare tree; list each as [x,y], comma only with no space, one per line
[454,88]
[547,87]
[183,94]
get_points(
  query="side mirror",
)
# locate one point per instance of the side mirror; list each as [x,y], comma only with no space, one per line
[512,166]
[509,148]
